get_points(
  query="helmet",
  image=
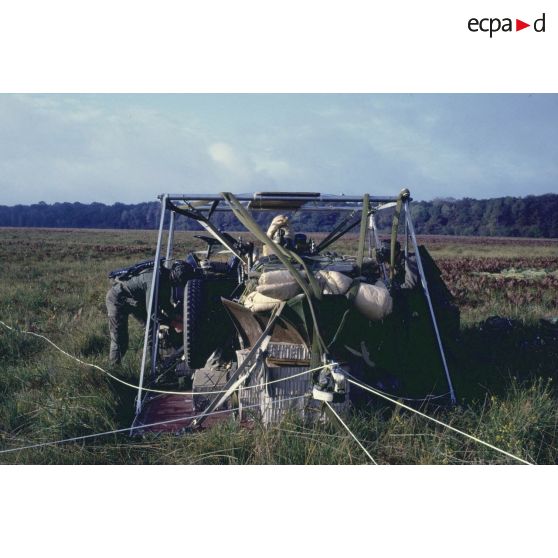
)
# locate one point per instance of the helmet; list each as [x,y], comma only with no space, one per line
[180,273]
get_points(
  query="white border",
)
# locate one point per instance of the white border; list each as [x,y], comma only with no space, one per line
[277,511]
[272,46]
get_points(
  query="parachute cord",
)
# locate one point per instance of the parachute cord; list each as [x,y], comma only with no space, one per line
[349,431]
[151,390]
[129,428]
[474,438]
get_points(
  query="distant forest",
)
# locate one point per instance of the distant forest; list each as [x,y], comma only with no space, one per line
[531,216]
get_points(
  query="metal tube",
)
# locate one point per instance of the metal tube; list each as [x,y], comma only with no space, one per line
[337,236]
[252,197]
[430,307]
[310,209]
[170,240]
[362,234]
[152,306]
[394,231]
[406,230]
[325,241]
[214,232]
[378,245]
[196,215]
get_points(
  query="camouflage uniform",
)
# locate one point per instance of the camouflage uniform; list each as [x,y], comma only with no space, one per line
[132,297]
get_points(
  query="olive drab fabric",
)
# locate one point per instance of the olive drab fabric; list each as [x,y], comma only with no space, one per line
[131,297]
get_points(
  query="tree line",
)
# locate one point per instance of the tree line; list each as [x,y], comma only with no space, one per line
[530,216]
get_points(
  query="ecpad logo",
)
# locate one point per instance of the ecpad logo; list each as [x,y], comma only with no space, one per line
[493,25]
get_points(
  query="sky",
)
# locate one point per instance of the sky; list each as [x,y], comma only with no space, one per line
[130,148]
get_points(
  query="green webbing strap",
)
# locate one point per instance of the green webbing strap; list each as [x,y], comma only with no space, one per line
[209,227]
[191,214]
[284,256]
[316,352]
[317,290]
[212,209]
[362,236]
[351,294]
[247,220]
[403,195]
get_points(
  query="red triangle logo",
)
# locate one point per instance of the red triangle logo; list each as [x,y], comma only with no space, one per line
[519,25]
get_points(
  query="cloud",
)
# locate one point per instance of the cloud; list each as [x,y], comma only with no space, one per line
[459,145]
[59,149]
[223,154]
[252,169]
[130,148]
[275,168]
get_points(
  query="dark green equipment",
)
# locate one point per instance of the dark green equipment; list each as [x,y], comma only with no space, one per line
[379,312]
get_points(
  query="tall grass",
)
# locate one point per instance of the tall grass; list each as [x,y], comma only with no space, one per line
[54,283]
[523,423]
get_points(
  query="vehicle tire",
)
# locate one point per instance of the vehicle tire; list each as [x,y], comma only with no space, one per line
[207,326]
[197,349]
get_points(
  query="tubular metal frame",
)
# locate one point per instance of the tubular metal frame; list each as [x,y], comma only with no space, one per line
[411,231]
[152,321]
[312,202]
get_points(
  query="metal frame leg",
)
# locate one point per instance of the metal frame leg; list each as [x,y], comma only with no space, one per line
[378,245]
[170,240]
[429,301]
[151,322]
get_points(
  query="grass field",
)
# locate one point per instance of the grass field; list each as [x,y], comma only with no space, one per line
[54,283]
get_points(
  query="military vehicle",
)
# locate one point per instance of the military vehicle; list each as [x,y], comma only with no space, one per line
[275,321]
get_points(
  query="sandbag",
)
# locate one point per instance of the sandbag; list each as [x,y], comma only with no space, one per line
[278,229]
[333,282]
[280,283]
[275,277]
[280,291]
[257,302]
[373,301]
[279,222]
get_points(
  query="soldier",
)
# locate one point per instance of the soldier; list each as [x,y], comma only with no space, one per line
[131,296]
